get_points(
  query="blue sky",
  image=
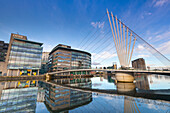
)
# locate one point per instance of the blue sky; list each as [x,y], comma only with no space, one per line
[69,21]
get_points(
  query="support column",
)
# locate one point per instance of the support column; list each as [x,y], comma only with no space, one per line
[31,72]
[36,83]
[18,72]
[38,72]
[16,84]
[8,72]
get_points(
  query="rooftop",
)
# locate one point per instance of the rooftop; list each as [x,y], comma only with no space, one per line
[28,41]
[65,47]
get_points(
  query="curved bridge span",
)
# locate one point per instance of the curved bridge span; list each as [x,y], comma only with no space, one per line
[67,72]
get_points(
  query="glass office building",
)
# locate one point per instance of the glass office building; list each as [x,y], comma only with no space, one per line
[62,57]
[24,56]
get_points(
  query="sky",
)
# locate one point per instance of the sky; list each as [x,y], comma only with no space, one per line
[73,22]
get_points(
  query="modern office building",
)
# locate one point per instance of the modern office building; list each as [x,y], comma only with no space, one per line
[23,56]
[139,64]
[3,54]
[44,62]
[63,57]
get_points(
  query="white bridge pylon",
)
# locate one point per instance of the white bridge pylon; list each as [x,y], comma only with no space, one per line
[123,38]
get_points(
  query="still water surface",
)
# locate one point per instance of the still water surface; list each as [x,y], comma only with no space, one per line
[149,94]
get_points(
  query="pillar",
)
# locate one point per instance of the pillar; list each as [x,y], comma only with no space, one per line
[18,72]
[8,72]
[38,72]
[31,72]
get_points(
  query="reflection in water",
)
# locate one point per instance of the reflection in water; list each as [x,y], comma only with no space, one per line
[62,99]
[125,87]
[18,96]
[142,81]
[68,95]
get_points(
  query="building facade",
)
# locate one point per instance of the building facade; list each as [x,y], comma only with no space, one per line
[23,56]
[3,51]
[139,64]
[3,54]
[44,62]
[63,57]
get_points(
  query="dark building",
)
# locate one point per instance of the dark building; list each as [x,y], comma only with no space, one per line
[3,51]
[62,57]
[3,54]
[139,64]
[23,56]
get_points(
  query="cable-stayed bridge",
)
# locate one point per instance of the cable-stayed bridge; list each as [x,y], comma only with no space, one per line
[112,34]
[123,39]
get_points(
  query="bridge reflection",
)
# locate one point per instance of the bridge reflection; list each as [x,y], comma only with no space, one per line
[59,99]
[133,94]
[81,95]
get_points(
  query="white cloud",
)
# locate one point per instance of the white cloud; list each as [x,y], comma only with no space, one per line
[145,14]
[165,35]
[150,38]
[164,48]
[96,63]
[149,13]
[150,64]
[98,24]
[143,56]
[139,49]
[159,3]
[47,47]
[103,55]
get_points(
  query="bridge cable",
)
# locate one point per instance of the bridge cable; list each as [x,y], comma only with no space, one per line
[91,31]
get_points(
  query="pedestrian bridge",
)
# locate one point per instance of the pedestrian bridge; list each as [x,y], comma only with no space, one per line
[89,71]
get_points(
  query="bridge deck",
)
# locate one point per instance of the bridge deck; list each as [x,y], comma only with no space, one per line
[113,70]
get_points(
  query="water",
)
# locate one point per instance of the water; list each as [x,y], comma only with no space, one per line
[149,94]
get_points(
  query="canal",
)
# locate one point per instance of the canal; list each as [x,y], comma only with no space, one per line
[100,94]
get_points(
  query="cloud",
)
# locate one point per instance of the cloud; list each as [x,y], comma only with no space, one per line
[165,35]
[98,24]
[96,63]
[47,47]
[145,14]
[149,13]
[142,56]
[103,55]
[164,48]
[150,38]
[150,64]
[159,3]
[139,49]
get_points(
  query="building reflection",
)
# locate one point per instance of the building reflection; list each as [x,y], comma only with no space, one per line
[60,99]
[18,96]
[142,81]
